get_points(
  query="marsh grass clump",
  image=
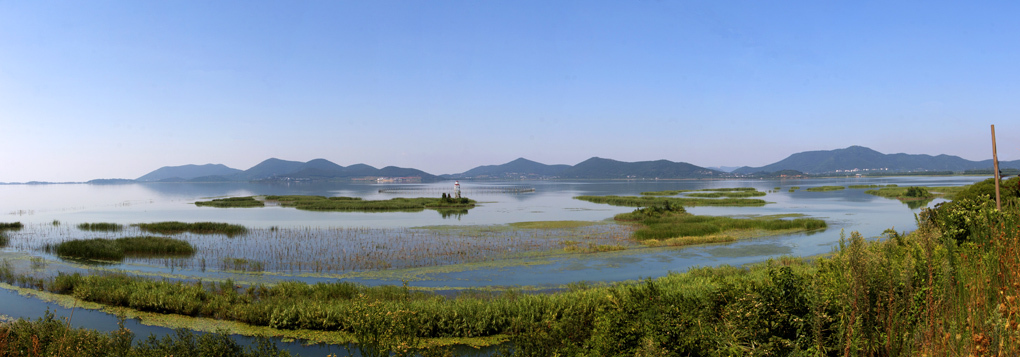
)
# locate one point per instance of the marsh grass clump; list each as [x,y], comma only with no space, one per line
[10,226]
[101,227]
[245,202]
[4,239]
[825,188]
[174,227]
[117,249]
[647,201]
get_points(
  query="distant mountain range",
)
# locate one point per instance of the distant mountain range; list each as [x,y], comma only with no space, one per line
[593,168]
[859,159]
[279,170]
[854,159]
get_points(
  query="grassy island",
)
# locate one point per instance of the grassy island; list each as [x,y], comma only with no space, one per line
[671,225]
[445,204]
[241,202]
[825,188]
[117,249]
[174,227]
[647,201]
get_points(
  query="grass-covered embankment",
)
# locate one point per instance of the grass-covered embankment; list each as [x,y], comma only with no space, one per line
[174,227]
[232,202]
[647,201]
[101,227]
[117,249]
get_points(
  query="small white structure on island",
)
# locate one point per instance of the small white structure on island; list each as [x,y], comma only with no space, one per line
[456,189]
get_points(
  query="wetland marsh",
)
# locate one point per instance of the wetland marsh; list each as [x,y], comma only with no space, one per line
[535,241]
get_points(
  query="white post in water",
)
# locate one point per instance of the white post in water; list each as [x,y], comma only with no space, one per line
[456,189]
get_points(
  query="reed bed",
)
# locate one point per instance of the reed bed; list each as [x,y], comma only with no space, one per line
[101,227]
[348,249]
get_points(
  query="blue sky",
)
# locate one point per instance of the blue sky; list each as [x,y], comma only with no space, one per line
[117,89]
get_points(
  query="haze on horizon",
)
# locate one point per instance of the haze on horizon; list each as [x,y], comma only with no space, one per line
[118,89]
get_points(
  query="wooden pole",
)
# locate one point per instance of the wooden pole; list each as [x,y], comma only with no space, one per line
[995,160]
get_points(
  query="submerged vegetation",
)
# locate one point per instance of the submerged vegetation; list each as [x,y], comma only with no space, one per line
[117,249]
[101,227]
[248,201]
[637,201]
[174,227]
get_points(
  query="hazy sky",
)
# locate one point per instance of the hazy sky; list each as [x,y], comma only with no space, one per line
[92,89]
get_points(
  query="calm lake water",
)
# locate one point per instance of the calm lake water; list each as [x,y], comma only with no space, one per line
[38,206]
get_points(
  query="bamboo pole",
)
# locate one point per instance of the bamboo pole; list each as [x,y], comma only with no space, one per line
[998,179]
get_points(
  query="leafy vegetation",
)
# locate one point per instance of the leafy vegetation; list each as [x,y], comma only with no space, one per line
[117,249]
[174,227]
[248,201]
[635,201]
[101,227]
[825,188]
[48,336]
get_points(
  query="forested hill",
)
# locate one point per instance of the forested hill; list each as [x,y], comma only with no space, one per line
[865,160]
[276,169]
[187,172]
[518,169]
[592,169]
